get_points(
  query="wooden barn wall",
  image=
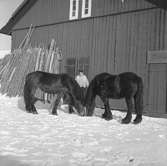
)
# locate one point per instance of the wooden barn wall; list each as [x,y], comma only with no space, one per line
[117,38]
[123,46]
[165,30]
[115,43]
[157,96]
[45,12]
[115,6]
[157,73]
[17,38]
[157,89]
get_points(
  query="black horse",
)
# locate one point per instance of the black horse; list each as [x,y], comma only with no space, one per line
[125,85]
[53,84]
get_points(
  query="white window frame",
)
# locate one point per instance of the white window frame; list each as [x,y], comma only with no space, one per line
[71,17]
[84,15]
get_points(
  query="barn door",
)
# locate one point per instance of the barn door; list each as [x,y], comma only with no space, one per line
[157,77]
[157,89]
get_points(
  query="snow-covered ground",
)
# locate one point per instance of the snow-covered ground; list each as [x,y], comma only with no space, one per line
[3,53]
[71,140]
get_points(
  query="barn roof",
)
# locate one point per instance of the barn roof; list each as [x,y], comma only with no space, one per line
[19,12]
[26,5]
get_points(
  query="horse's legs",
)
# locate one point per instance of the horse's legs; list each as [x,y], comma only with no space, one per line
[90,109]
[90,105]
[128,117]
[107,114]
[138,108]
[67,99]
[56,103]
[28,107]
[76,104]
[31,108]
[71,110]
[29,98]
[33,101]
[34,111]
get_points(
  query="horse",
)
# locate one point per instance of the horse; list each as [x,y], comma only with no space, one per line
[126,85]
[50,83]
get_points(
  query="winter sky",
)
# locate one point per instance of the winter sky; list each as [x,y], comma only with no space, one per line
[7,7]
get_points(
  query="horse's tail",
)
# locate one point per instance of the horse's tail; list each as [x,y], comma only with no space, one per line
[27,91]
[90,98]
[139,97]
[30,88]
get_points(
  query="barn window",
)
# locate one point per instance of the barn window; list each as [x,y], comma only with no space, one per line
[83,63]
[70,66]
[73,65]
[74,7]
[86,8]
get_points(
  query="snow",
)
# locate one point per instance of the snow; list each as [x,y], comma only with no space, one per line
[71,140]
[3,53]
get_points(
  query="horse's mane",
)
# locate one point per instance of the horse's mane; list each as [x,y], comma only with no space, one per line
[93,86]
[77,89]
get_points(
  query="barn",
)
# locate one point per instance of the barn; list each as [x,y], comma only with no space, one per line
[102,36]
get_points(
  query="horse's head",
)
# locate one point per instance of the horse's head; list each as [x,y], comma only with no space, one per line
[81,110]
[89,102]
[89,108]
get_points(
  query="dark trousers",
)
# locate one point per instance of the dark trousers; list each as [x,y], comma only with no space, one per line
[83,91]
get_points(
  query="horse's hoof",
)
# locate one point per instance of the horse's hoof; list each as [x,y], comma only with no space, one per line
[35,112]
[107,117]
[54,113]
[137,120]
[89,114]
[126,121]
[29,112]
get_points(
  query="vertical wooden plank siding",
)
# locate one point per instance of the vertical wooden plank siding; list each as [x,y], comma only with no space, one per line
[114,43]
[165,30]
[45,12]
[115,6]
[111,44]
[157,75]
[157,89]
[124,39]
[17,38]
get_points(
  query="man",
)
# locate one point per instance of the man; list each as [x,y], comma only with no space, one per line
[82,80]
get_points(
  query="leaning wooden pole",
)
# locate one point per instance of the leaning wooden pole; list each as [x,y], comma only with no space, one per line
[25,59]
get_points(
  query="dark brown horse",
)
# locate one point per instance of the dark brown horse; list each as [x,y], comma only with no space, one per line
[125,85]
[53,84]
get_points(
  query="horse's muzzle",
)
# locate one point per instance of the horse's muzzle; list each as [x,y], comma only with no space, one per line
[83,112]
